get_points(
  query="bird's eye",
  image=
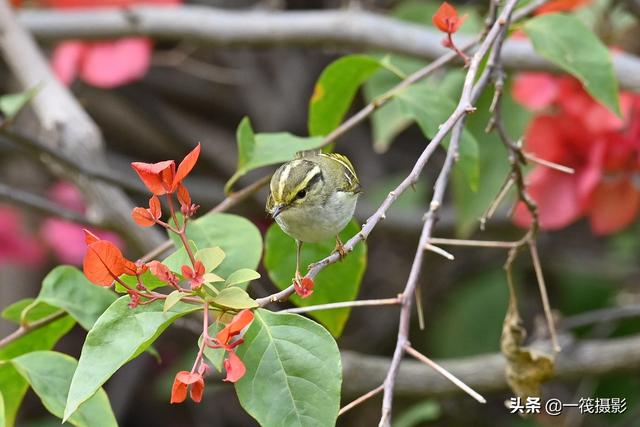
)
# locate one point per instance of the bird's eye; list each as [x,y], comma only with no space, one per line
[301,194]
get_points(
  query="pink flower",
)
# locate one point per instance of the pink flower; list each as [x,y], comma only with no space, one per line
[16,245]
[578,132]
[65,238]
[104,64]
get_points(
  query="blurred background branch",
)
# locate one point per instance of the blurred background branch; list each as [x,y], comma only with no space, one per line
[350,28]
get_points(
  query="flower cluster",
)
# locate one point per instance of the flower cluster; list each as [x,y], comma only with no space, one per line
[574,130]
[104,264]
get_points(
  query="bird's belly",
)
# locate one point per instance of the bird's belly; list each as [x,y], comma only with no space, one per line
[319,222]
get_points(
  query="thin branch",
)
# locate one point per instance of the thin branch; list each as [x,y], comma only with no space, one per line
[552,165]
[227,28]
[488,214]
[603,315]
[533,249]
[432,248]
[47,154]
[23,330]
[448,375]
[361,399]
[344,304]
[474,243]
[41,205]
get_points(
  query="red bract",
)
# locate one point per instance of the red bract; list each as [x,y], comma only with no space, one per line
[181,383]
[17,246]
[235,367]
[603,149]
[162,177]
[163,273]
[103,263]
[561,6]
[233,364]
[105,64]
[195,276]
[304,287]
[446,18]
[148,217]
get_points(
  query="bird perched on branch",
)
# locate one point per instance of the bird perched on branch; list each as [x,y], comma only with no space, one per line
[313,198]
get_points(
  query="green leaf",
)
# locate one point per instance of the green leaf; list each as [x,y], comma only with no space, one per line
[234,298]
[430,108]
[237,236]
[337,282]
[67,288]
[568,43]
[149,280]
[210,257]
[180,257]
[212,278]
[263,149]
[171,300]
[390,120]
[3,421]
[13,386]
[119,335]
[474,314]
[11,105]
[293,373]
[335,90]
[35,311]
[241,276]
[49,374]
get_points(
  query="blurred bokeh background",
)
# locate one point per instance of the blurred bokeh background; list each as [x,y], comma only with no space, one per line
[154,100]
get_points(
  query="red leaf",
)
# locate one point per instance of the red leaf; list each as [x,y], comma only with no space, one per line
[89,237]
[142,217]
[158,177]
[235,367]
[561,6]
[181,382]
[304,287]
[184,197]
[103,263]
[535,90]
[239,322]
[446,18]
[186,165]
[154,207]
[110,64]
[163,273]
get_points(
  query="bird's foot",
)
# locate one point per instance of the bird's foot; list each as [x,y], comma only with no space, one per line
[340,248]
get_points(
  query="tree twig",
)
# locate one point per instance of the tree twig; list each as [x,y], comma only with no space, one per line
[25,329]
[361,399]
[42,205]
[344,304]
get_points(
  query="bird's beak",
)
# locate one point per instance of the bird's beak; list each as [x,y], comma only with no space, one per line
[277,210]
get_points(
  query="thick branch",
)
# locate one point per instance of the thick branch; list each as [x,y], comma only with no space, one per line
[487,372]
[67,128]
[342,28]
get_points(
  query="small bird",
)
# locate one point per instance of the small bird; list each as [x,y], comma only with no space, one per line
[313,198]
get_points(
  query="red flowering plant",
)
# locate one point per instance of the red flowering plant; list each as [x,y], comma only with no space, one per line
[447,20]
[104,264]
[572,129]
